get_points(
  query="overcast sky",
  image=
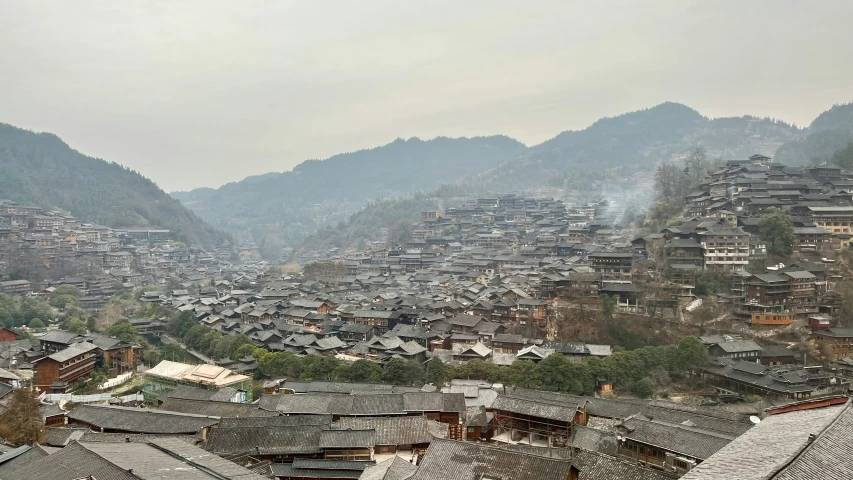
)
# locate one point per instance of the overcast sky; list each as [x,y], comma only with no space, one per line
[200,93]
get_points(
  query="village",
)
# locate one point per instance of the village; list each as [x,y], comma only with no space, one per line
[513,337]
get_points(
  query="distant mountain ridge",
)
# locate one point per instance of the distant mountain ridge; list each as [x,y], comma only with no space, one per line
[611,154]
[41,169]
[831,131]
[279,209]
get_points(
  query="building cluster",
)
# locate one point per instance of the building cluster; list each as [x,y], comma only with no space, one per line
[456,296]
[59,359]
[99,260]
[468,430]
[722,234]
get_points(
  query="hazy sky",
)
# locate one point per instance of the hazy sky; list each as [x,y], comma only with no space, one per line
[200,93]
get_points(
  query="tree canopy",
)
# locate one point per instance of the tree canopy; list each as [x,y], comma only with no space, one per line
[22,422]
[776,228]
[123,331]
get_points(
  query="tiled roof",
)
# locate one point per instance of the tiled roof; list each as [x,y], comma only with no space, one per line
[69,463]
[678,438]
[265,440]
[347,438]
[396,430]
[778,441]
[394,469]
[137,420]
[451,460]
[287,470]
[72,351]
[216,409]
[277,421]
[17,458]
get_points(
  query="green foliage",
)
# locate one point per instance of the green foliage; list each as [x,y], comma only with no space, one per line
[644,388]
[180,325]
[19,311]
[37,324]
[366,225]
[318,367]
[91,324]
[175,353]
[436,372]
[844,157]
[39,168]
[559,374]
[76,325]
[278,364]
[68,290]
[403,372]
[608,306]
[521,374]
[830,132]
[123,331]
[776,228]
[477,370]
[626,369]
[362,371]
[624,337]
[283,208]
[710,283]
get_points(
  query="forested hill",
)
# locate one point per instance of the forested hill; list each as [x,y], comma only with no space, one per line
[279,209]
[831,131]
[634,142]
[41,169]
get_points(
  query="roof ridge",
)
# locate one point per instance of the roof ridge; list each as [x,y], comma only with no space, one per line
[812,439]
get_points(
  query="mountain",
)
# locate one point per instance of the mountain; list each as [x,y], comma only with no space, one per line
[831,131]
[613,156]
[622,146]
[41,169]
[279,209]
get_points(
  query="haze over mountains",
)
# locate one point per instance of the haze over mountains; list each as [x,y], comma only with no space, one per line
[284,207]
[40,169]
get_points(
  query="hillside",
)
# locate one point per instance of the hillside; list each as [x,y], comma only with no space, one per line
[620,147]
[831,131]
[613,156]
[41,169]
[279,209]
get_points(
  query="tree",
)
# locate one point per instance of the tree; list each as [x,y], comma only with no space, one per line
[61,301]
[174,353]
[436,372]
[22,422]
[403,372]
[90,324]
[692,353]
[522,373]
[557,373]
[76,325]
[644,388]
[318,367]
[776,228]
[365,371]
[180,325]
[844,157]
[608,306]
[123,331]
[68,290]
[36,324]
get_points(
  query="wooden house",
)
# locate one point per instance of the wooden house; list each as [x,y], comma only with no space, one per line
[57,372]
